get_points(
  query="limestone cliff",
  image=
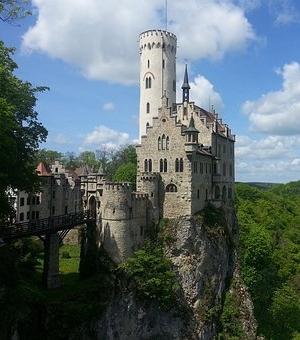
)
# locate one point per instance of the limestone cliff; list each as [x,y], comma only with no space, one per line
[203,257]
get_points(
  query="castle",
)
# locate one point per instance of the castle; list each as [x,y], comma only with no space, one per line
[185,157]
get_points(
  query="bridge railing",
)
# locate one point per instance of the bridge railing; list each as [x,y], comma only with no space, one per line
[46,225]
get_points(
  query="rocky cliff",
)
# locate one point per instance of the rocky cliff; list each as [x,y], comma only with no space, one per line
[202,250]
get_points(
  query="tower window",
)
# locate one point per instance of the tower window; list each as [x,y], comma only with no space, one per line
[163,63]
[174,85]
[148,108]
[148,82]
[159,143]
[148,63]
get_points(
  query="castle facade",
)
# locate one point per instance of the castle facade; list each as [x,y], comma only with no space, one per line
[185,157]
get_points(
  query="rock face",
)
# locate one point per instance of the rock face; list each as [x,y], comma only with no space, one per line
[204,260]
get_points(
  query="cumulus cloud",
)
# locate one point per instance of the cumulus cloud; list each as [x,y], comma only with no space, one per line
[101,38]
[278,112]
[204,94]
[267,159]
[102,136]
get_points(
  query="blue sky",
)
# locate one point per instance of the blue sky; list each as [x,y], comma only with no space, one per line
[243,57]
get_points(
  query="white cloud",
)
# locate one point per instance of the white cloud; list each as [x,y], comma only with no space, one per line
[278,112]
[284,12]
[270,159]
[204,94]
[101,38]
[105,137]
[108,106]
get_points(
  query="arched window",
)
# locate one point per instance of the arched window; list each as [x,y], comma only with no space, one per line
[146,165]
[150,165]
[163,142]
[171,188]
[161,165]
[230,170]
[198,193]
[177,165]
[159,143]
[165,165]
[148,63]
[167,143]
[148,82]
[148,108]
[181,165]
[224,169]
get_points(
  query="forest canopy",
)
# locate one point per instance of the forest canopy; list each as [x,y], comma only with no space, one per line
[269,250]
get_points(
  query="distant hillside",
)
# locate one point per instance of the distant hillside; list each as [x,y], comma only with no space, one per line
[260,185]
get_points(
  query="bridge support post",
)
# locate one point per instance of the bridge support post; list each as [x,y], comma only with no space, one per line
[51,277]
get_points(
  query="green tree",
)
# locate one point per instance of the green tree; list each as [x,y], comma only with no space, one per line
[150,275]
[20,131]
[285,311]
[126,173]
[70,160]
[48,156]
[88,158]
[110,160]
[11,10]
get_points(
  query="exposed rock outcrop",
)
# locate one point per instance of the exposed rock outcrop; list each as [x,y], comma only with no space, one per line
[203,259]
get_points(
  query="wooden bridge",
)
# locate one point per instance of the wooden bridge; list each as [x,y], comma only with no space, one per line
[51,231]
[45,226]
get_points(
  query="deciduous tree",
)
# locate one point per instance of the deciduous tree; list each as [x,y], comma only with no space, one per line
[20,130]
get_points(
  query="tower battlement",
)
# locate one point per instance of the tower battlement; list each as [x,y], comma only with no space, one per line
[159,39]
[114,186]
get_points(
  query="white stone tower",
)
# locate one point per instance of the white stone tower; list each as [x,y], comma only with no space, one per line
[157,73]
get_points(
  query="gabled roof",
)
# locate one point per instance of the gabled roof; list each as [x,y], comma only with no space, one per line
[43,170]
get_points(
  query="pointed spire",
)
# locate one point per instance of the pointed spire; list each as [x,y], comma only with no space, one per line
[185,86]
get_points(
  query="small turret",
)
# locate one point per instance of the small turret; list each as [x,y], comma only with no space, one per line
[191,139]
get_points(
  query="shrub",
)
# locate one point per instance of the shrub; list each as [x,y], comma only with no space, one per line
[149,274]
